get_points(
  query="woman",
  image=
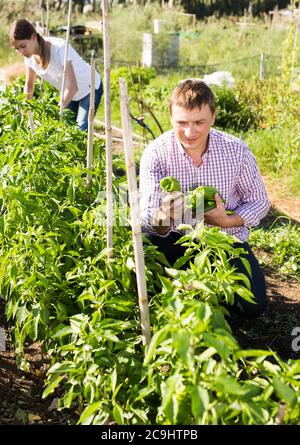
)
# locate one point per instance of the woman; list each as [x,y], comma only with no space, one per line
[45,58]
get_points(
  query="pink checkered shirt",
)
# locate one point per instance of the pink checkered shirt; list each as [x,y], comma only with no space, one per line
[228,164]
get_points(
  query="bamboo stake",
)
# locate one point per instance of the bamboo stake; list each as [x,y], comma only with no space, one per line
[2,340]
[42,10]
[89,157]
[135,214]
[294,48]
[47,18]
[31,121]
[109,195]
[65,61]
[262,68]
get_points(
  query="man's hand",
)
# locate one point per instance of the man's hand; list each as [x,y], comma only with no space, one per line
[170,210]
[172,205]
[219,217]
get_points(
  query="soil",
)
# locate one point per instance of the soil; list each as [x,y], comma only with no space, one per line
[21,400]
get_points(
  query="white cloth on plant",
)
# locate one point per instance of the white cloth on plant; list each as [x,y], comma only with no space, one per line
[221,78]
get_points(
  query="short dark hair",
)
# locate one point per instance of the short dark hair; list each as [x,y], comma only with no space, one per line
[192,93]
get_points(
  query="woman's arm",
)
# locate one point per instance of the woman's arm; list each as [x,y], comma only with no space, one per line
[29,82]
[71,86]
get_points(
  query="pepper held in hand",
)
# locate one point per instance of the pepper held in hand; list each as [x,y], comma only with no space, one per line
[170,184]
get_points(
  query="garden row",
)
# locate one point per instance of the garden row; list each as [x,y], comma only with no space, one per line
[59,288]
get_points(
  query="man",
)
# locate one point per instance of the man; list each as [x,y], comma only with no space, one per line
[196,155]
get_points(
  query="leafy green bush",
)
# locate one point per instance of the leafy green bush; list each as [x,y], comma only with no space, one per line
[282,243]
[136,78]
[232,113]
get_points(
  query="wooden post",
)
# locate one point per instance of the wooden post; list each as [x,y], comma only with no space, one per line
[41,6]
[89,157]
[65,61]
[262,70]
[294,48]
[108,132]
[135,214]
[2,340]
[31,121]
[47,19]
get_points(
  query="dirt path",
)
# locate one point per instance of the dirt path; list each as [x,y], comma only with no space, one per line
[281,199]
[274,329]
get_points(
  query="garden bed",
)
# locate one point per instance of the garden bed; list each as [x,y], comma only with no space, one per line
[21,392]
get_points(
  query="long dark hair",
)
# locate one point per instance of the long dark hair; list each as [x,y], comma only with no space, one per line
[23,30]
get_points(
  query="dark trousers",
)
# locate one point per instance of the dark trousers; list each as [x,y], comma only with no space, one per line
[257,280]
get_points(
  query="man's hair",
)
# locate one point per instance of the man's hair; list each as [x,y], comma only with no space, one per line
[192,93]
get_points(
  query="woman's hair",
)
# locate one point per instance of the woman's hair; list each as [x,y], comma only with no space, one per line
[192,93]
[23,30]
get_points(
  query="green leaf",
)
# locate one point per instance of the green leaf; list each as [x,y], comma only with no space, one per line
[118,414]
[168,393]
[284,392]
[181,342]
[182,260]
[51,387]
[209,352]
[67,366]
[62,332]
[244,293]
[88,414]
[200,402]
[252,353]
[246,265]
[200,260]
[197,284]
[228,385]
[114,378]
[258,415]
[173,273]
[156,340]
[271,367]
[167,284]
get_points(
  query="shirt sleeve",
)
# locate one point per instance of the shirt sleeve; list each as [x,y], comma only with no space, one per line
[150,191]
[251,191]
[72,54]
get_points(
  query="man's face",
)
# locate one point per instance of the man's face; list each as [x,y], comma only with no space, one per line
[191,127]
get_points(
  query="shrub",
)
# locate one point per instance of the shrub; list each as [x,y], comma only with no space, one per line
[232,113]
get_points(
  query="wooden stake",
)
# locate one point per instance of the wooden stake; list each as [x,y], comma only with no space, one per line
[89,157]
[47,19]
[294,48]
[135,213]
[2,340]
[108,133]
[31,121]
[65,61]
[262,68]
[42,18]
